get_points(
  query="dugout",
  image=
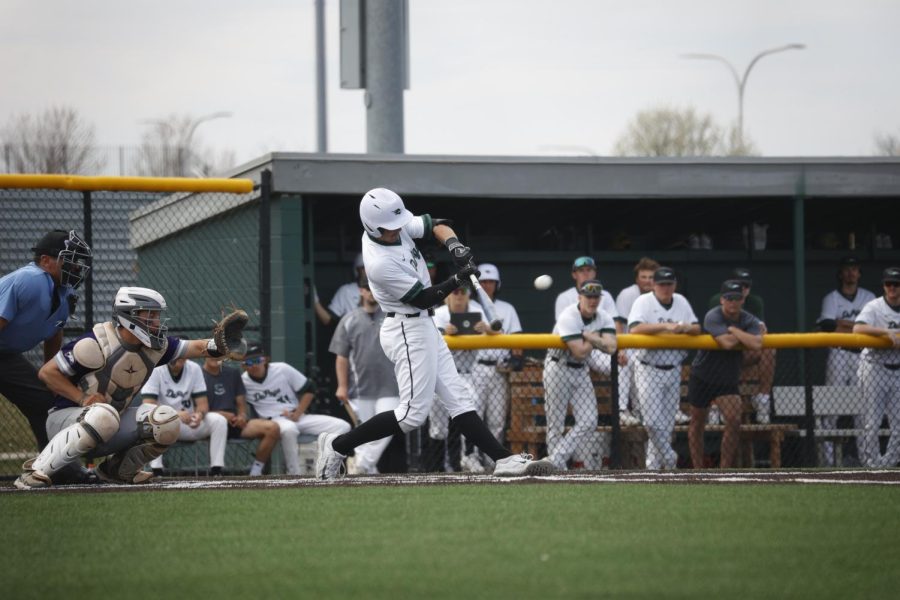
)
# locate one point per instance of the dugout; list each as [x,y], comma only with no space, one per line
[534,215]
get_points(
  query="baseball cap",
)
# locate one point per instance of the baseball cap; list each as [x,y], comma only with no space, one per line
[52,243]
[732,289]
[891,274]
[255,349]
[583,261]
[849,261]
[489,272]
[592,288]
[743,275]
[664,275]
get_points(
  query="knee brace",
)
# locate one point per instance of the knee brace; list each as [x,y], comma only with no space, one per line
[159,423]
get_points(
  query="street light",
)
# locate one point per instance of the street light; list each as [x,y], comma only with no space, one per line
[170,129]
[742,81]
[186,145]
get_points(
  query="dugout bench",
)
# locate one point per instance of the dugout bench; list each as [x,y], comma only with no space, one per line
[527,430]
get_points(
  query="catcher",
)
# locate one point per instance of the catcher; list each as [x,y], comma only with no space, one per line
[94,379]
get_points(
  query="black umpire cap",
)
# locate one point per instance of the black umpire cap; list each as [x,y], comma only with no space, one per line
[891,274]
[52,243]
[664,275]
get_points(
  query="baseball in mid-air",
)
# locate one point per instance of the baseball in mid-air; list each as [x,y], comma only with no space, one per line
[543,282]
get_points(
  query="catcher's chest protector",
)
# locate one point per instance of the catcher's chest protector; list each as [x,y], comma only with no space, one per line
[125,370]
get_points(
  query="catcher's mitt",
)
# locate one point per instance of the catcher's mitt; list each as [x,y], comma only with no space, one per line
[228,336]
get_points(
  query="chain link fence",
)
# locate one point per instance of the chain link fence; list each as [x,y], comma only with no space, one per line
[201,255]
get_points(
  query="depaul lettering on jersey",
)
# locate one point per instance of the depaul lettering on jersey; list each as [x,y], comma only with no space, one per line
[262,395]
[416,256]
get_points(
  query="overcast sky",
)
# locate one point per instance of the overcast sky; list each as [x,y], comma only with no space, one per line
[504,77]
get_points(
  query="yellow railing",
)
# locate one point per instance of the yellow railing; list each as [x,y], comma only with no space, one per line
[126,184]
[538,341]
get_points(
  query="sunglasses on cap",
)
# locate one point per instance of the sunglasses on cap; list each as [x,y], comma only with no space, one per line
[583,261]
[255,360]
[591,289]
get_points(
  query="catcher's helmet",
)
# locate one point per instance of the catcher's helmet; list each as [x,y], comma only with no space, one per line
[150,329]
[382,209]
[73,253]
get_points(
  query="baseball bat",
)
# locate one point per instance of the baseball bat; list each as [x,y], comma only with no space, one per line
[490,311]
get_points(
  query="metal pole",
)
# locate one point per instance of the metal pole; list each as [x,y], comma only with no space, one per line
[615,456]
[384,76]
[89,280]
[321,90]
[265,259]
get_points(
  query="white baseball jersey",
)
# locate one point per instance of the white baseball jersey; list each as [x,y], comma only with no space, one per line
[836,306]
[570,325]
[570,296]
[345,299]
[277,392]
[180,393]
[507,313]
[397,272]
[878,313]
[464,359]
[625,300]
[647,309]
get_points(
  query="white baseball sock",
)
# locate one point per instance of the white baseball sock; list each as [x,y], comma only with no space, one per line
[257,468]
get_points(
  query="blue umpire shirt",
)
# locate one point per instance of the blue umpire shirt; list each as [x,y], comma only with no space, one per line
[26,299]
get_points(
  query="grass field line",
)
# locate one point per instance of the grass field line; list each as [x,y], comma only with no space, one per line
[839,477]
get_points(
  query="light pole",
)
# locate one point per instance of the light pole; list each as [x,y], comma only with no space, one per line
[184,150]
[742,81]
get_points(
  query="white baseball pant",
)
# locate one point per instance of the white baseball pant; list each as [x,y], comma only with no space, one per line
[840,370]
[368,455]
[626,383]
[439,418]
[564,385]
[308,425]
[881,390]
[658,393]
[423,366]
[213,426]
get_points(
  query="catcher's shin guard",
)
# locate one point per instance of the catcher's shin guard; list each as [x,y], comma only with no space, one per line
[127,466]
[97,424]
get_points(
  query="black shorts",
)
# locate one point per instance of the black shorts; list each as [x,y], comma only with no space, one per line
[234,432]
[701,393]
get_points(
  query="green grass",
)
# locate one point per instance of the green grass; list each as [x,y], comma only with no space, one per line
[465,541]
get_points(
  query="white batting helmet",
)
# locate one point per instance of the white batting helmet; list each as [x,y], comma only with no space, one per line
[382,208]
[489,272]
[131,300]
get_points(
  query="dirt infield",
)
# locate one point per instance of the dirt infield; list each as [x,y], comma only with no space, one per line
[838,477]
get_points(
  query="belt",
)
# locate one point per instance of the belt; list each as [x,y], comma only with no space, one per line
[660,367]
[430,312]
[891,367]
[569,363]
[490,363]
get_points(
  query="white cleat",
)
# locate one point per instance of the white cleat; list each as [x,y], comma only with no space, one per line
[31,480]
[523,465]
[627,419]
[682,418]
[328,460]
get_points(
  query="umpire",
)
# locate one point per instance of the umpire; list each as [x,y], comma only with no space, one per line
[35,303]
[715,374]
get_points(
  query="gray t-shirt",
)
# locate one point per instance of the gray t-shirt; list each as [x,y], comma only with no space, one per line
[722,366]
[371,372]
[222,389]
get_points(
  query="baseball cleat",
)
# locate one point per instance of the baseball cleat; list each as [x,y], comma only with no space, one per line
[626,419]
[31,479]
[328,460]
[522,465]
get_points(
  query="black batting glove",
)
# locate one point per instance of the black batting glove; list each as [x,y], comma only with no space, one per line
[463,275]
[462,255]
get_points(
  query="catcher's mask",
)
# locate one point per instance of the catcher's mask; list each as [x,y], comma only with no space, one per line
[381,208]
[72,252]
[139,310]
